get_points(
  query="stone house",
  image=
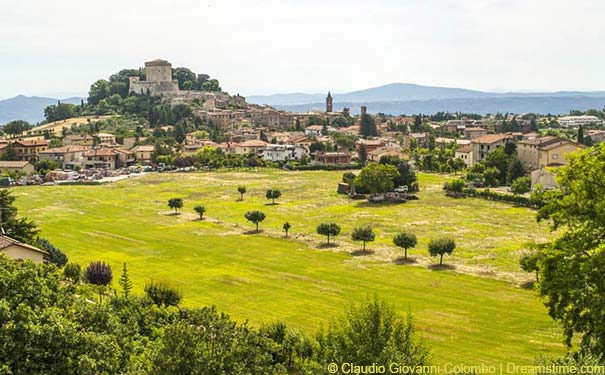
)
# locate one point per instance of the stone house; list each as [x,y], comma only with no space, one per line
[67,156]
[482,146]
[545,151]
[143,154]
[29,150]
[465,153]
[25,167]
[331,158]
[20,251]
[103,158]
[78,140]
[106,138]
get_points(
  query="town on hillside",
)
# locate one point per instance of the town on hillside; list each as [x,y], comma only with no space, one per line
[190,115]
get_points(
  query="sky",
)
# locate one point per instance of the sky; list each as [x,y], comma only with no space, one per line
[58,48]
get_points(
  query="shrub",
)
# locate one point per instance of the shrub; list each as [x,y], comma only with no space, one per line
[163,294]
[521,185]
[371,332]
[98,273]
[454,187]
[73,272]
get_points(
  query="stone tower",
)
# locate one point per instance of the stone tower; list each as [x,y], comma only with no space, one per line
[158,71]
[364,110]
[329,102]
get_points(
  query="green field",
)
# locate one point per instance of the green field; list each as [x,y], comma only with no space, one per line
[472,314]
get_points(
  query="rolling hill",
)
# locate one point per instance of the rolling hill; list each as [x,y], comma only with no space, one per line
[28,108]
[397,98]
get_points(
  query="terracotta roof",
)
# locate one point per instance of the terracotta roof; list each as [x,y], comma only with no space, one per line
[7,241]
[491,138]
[64,149]
[13,164]
[253,143]
[144,148]
[465,149]
[36,142]
[541,141]
[78,136]
[100,152]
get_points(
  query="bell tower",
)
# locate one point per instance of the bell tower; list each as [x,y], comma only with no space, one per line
[329,102]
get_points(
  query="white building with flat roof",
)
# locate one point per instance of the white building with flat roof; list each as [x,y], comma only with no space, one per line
[573,121]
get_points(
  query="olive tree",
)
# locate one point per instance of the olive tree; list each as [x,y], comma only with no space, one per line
[255,217]
[200,210]
[286,228]
[175,204]
[406,241]
[273,194]
[241,190]
[365,234]
[328,230]
[441,246]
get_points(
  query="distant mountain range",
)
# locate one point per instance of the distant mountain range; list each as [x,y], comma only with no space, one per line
[28,108]
[395,98]
[398,98]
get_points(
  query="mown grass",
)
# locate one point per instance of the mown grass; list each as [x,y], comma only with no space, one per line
[265,277]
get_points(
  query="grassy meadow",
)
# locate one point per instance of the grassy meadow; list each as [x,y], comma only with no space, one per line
[470,314]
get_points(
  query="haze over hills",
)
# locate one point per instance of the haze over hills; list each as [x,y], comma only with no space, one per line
[28,108]
[395,98]
[399,98]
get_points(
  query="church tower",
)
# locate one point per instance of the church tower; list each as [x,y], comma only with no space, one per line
[329,103]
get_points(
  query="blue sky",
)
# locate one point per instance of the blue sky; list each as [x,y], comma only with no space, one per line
[59,47]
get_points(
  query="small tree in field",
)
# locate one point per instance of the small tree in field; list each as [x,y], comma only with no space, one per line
[99,273]
[328,230]
[273,194]
[287,227]
[365,234]
[175,204]
[255,216]
[441,247]
[200,210]
[125,282]
[406,241]
[241,190]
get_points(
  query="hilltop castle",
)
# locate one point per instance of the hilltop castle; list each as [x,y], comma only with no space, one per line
[158,80]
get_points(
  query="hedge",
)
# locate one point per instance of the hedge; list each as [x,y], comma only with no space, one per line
[501,197]
[321,167]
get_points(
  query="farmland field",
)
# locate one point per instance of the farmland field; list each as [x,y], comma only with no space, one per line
[476,312]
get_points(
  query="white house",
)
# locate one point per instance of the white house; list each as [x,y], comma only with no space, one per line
[275,153]
[317,130]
